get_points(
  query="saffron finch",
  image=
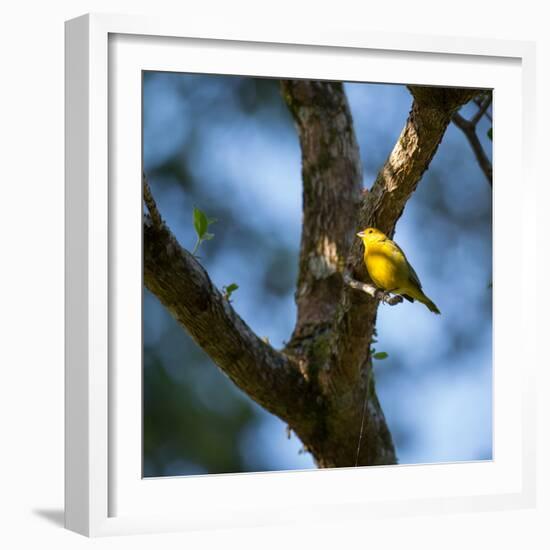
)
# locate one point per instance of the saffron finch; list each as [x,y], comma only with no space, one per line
[389,268]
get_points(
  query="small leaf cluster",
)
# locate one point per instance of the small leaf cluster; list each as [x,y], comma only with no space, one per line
[201,223]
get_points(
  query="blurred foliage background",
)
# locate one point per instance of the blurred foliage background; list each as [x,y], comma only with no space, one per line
[227,145]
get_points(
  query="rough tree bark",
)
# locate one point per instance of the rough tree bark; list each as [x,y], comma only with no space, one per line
[322,383]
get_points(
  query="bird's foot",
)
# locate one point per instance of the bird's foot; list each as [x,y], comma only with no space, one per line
[383,295]
[386,297]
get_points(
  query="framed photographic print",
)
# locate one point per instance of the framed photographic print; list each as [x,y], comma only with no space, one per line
[288,283]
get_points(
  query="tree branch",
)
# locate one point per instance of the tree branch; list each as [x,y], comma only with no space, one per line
[483,105]
[151,204]
[430,115]
[331,178]
[372,291]
[185,289]
[323,384]
[468,127]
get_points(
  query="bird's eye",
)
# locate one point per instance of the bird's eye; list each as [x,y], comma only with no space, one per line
[370,230]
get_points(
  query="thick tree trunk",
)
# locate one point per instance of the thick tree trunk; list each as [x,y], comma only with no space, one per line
[322,384]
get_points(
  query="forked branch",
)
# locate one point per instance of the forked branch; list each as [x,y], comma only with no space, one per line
[183,286]
[322,384]
[430,115]
[469,128]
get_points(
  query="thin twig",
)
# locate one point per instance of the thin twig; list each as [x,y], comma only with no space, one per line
[483,105]
[373,291]
[362,425]
[151,204]
[486,112]
[469,129]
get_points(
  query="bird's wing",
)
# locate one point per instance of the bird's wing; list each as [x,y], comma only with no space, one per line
[396,249]
[414,276]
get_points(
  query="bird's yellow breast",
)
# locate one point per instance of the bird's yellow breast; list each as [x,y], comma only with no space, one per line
[387,269]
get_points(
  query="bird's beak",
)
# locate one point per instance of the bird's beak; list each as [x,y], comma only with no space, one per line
[361,234]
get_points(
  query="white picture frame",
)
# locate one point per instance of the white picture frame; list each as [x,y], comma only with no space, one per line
[104,491]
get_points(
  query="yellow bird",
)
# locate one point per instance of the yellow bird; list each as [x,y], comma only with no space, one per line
[389,268]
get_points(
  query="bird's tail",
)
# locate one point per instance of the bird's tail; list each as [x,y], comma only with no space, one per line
[428,303]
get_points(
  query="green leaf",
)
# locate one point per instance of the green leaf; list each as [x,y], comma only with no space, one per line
[490,133]
[229,289]
[380,355]
[200,222]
